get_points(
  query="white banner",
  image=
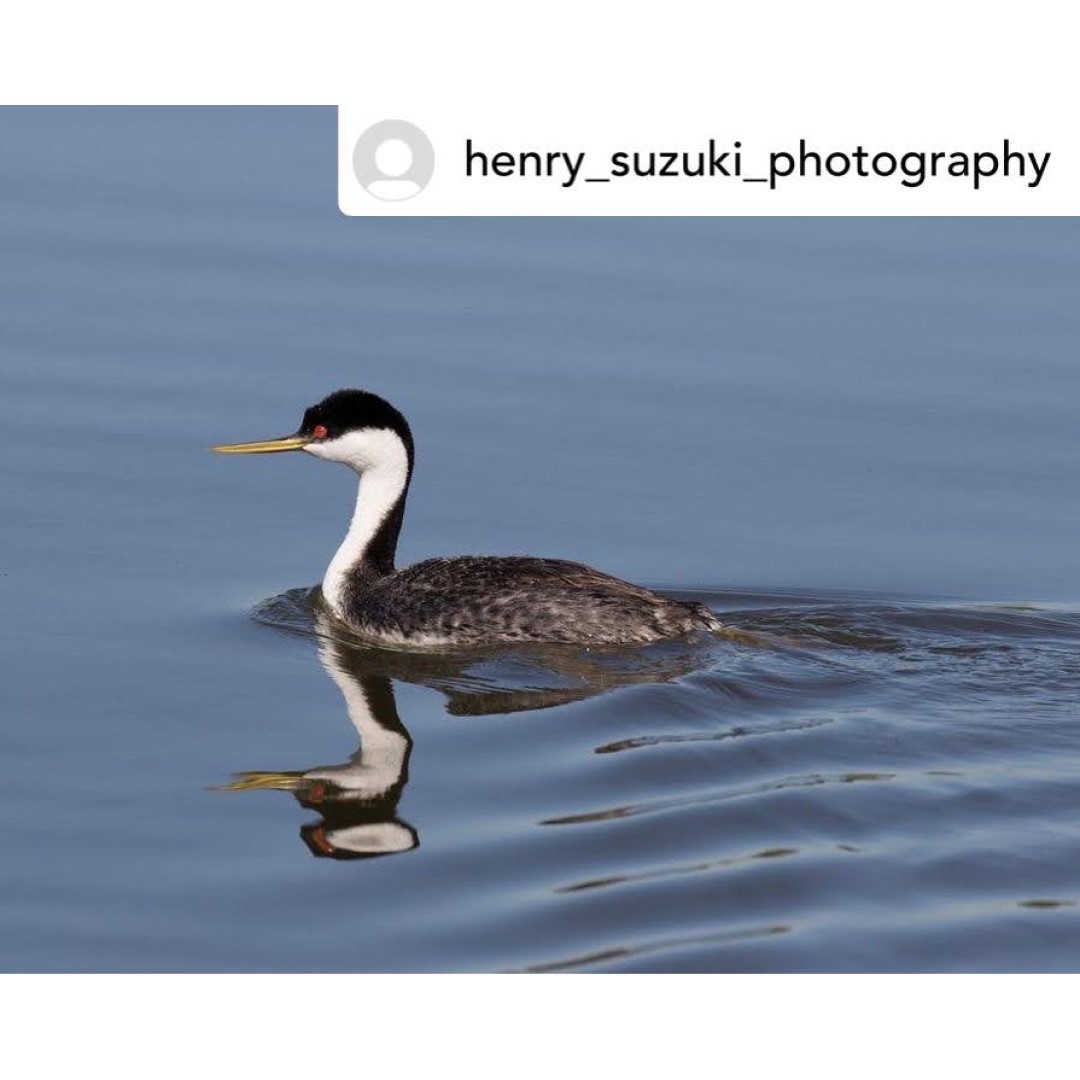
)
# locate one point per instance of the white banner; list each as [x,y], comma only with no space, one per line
[440,160]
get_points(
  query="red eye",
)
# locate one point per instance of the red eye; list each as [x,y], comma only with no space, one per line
[319,432]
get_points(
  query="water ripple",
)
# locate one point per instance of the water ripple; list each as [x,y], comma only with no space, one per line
[628,952]
[660,805]
[883,786]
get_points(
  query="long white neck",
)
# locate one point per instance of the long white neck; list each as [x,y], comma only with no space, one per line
[382,461]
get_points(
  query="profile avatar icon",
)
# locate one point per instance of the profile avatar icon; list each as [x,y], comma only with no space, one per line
[393,160]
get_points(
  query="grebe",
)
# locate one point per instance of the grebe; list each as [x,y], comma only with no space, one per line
[463,600]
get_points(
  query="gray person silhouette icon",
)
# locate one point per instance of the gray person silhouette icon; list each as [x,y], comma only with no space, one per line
[393,160]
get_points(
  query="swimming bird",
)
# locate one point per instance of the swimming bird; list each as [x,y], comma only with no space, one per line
[462,600]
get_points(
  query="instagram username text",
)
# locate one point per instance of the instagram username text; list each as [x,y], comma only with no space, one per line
[717,161]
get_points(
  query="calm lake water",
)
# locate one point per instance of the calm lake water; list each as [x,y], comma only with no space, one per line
[858,438]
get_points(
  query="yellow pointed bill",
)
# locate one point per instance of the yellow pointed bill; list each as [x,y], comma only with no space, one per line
[267,446]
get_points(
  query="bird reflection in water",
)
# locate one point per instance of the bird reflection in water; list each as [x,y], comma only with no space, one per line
[357,801]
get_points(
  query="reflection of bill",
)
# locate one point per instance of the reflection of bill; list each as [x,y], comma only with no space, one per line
[393,160]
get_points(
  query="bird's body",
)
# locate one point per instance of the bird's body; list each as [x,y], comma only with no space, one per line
[474,599]
[463,600]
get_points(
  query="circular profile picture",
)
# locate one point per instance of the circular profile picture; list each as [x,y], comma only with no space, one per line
[393,160]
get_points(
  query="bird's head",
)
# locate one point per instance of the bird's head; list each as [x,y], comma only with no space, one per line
[354,427]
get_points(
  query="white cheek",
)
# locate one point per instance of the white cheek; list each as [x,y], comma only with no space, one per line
[360,450]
